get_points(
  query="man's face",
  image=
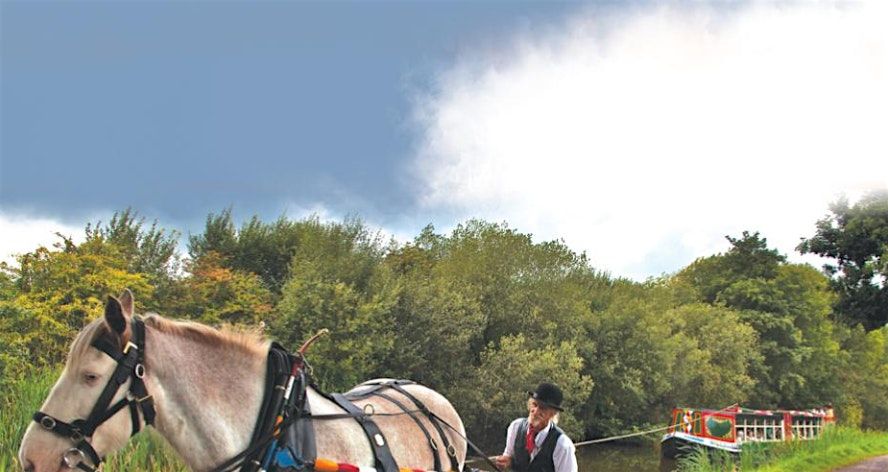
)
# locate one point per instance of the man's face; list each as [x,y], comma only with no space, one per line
[540,415]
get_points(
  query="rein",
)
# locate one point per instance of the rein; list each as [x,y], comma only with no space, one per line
[130,366]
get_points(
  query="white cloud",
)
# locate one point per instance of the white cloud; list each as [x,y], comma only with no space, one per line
[20,234]
[644,138]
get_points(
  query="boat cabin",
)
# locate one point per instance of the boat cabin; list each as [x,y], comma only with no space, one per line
[729,428]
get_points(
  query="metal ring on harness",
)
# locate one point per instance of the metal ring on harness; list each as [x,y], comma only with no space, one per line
[73,457]
[369,409]
[48,422]
[139,371]
[451,450]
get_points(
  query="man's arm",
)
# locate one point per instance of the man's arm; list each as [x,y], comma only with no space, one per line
[505,460]
[565,455]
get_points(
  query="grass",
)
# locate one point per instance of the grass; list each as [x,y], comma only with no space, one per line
[145,452]
[149,452]
[838,447]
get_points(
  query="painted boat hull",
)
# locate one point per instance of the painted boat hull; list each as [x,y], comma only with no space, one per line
[678,444]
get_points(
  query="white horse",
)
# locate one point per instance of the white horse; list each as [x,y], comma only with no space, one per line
[207,388]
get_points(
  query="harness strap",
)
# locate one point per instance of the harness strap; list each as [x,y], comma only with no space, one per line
[137,387]
[425,431]
[130,366]
[434,419]
[384,459]
[275,381]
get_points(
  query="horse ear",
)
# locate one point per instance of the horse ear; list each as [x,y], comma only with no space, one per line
[127,302]
[114,315]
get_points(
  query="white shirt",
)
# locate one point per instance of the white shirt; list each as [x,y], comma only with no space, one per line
[564,456]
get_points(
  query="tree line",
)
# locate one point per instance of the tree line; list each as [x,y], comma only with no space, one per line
[484,313]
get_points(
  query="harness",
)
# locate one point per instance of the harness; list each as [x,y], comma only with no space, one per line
[130,366]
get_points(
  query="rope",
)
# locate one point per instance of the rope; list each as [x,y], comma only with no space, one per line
[614,438]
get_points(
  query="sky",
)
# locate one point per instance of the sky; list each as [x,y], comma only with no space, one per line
[640,133]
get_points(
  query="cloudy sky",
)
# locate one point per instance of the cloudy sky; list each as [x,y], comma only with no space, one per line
[641,134]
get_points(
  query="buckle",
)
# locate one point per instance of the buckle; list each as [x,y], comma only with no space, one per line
[76,435]
[48,422]
[132,398]
[73,457]
[128,346]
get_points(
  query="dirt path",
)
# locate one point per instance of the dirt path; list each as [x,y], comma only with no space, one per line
[876,464]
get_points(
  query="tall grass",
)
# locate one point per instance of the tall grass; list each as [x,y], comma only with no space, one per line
[146,452]
[837,447]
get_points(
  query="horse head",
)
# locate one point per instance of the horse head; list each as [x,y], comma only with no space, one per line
[61,436]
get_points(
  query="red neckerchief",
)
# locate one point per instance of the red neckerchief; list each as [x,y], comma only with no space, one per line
[529,443]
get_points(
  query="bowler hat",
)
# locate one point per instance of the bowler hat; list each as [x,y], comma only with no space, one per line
[549,395]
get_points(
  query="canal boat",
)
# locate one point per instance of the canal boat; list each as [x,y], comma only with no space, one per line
[730,428]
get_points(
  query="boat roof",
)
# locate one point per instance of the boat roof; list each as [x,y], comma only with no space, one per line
[739,410]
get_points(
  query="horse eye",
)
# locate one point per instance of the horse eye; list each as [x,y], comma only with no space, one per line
[90,378]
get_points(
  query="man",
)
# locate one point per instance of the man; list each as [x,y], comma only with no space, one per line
[535,443]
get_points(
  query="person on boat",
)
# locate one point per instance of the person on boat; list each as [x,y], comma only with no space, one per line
[536,443]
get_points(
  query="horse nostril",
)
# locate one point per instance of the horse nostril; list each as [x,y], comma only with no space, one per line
[27,466]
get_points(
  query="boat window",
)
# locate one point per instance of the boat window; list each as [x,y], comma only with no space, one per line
[759,428]
[806,428]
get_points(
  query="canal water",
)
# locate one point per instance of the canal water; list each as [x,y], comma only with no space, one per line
[617,458]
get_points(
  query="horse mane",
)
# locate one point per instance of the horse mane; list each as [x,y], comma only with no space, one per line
[249,341]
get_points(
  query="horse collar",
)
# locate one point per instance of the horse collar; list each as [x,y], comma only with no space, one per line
[130,365]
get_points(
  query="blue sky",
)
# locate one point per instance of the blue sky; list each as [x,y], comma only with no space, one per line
[641,134]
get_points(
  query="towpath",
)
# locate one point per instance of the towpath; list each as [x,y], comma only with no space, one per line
[875,464]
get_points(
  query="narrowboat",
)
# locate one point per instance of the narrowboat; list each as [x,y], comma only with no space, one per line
[730,428]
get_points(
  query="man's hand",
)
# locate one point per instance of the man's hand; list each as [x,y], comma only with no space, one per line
[504,461]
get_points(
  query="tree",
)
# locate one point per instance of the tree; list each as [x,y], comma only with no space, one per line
[215,294]
[265,249]
[340,284]
[650,354]
[149,250]
[857,238]
[748,259]
[496,391]
[58,291]
[788,305]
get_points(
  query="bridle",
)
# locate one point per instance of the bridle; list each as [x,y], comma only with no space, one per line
[130,365]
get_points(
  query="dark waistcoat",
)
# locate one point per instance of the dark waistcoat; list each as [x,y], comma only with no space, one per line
[542,462]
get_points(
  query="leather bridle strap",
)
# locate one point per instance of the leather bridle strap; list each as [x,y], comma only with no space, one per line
[130,365]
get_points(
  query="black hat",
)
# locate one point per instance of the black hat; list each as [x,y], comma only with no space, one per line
[548,395]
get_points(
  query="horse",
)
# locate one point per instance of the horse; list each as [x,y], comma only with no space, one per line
[205,388]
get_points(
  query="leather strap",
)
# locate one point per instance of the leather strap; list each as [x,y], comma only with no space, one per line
[385,462]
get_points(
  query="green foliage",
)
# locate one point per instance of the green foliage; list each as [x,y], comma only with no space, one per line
[148,250]
[56,293]
[650,355]
[482,314]
[748,259]
[865,379]
[856,237]
[214,294]
[259,248]
[338,283]
[437,322]
[789,306]
[837,447]
[28,340]
[496,393]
